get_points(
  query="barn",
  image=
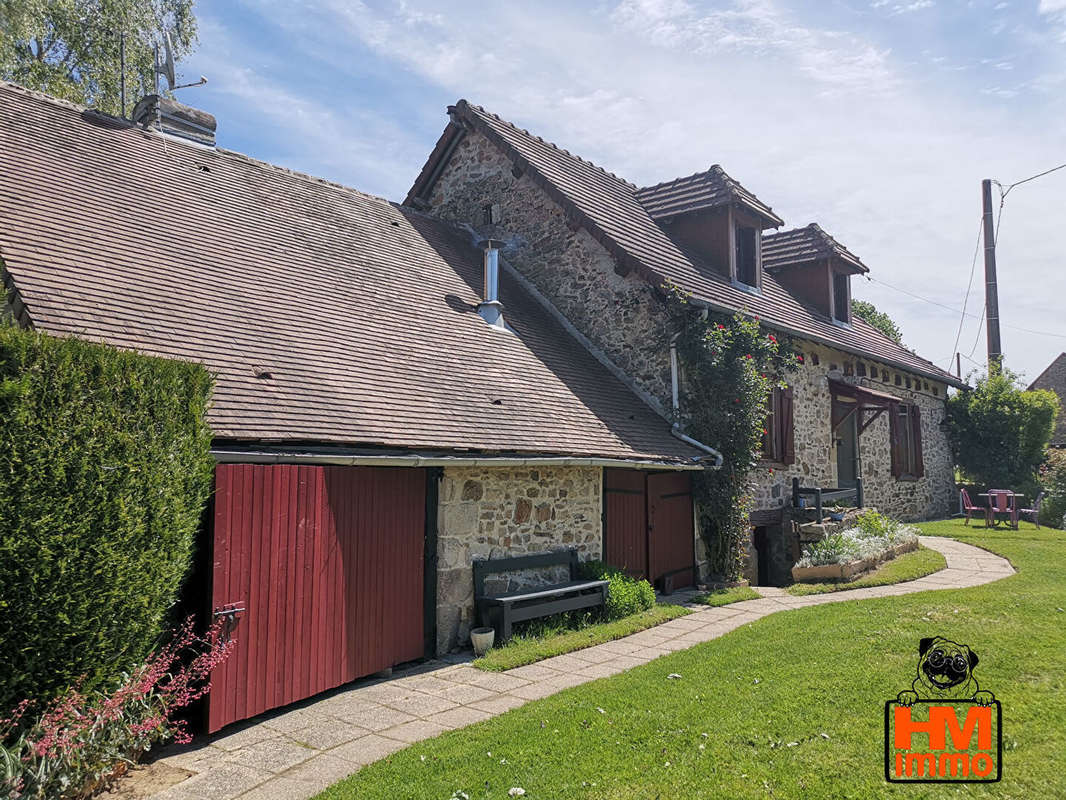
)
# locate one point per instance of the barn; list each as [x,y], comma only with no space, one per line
[391,401]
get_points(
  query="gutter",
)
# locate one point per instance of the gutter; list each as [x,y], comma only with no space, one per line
[675,429]
[223,455]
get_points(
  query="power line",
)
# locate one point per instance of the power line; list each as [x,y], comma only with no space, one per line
[954,310]
[1005,192]
[969,285]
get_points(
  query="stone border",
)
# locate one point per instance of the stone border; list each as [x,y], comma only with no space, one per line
[302,750]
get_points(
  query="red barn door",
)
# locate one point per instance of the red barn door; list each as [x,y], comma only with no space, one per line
[648,527]
[327,565]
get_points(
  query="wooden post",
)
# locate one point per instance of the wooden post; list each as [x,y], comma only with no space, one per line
[958,365]
[995,351]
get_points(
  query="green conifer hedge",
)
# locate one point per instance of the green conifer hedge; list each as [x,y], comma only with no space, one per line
[105,468]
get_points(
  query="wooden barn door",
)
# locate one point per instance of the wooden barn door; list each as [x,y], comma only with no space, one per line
[626,531]
[648,528]
[326,565]
[671,536]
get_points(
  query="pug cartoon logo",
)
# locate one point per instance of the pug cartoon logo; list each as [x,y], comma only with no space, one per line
[924,738]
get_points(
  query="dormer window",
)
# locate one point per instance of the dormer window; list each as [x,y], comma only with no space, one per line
[842,298]
[747,242]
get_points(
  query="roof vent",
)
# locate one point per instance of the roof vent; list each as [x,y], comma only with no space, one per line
[173,118]
[491,309]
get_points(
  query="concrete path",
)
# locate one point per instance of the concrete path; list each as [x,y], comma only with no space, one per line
[301,750]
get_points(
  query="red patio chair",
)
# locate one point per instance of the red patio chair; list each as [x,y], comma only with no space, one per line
[969,508]
[1002,501]
[1033,512]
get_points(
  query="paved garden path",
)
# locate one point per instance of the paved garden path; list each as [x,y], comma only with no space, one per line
[299,751]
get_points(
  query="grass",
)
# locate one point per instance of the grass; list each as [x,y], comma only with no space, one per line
[528,649]
[907,567]
[723,597]
[787,678]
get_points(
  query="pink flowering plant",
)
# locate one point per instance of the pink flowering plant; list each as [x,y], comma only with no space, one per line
[729,366]
[82,741]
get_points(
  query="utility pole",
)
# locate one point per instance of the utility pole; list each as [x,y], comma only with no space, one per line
[995,351]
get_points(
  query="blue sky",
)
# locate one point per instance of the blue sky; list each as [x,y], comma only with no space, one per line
[876,119]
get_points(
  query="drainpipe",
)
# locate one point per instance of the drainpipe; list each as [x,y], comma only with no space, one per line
[491,309]
[675,429]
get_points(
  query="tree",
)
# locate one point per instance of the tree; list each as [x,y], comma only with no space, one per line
[1000,433]
[878,319]
[70,48]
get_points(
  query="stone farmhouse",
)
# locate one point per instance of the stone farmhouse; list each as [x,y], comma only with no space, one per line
[480,371]
[601,250]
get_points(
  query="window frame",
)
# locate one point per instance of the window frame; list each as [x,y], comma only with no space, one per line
[845,280]
[778,443]
[905,442]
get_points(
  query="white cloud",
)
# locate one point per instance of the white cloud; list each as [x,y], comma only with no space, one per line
[823,123]
[1052,6]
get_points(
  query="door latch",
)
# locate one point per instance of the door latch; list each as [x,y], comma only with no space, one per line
[229,613]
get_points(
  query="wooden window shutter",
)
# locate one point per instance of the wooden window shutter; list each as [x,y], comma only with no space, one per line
[894,437]
[916,441]
[787,427]
[769,439]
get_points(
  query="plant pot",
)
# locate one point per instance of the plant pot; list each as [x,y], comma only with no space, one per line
[482,640]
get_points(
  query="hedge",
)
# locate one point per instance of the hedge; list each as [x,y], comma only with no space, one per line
[105,469]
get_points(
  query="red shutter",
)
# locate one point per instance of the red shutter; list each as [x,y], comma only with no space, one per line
[894,435]
[916,441]
[787,427]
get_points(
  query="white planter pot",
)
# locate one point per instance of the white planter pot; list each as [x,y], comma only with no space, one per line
[482,640]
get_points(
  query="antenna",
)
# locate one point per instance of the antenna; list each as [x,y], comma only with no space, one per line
[166,68]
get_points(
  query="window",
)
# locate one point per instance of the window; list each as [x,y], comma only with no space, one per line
[905,434]
[778,441]
[747,255]
[841,298]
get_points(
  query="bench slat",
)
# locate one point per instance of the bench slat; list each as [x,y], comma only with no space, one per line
[553,590]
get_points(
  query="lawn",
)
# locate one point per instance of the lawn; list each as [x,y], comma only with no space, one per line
[908,567]
[788,706]
[723,597]
[522,650]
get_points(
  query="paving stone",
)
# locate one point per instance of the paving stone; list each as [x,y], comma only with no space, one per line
[320,772]
[297,719]
[465,693]
[377,718]
[499,704]
[247,734]
[328,733]
[414,731]
[458,717]
[422,705]
[222,782]
[367,750]
[533,672]
[274,755]
[534,691]
[499,681]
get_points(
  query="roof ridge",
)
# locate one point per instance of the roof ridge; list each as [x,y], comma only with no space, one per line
[542,140]
[680,178]
[71,106]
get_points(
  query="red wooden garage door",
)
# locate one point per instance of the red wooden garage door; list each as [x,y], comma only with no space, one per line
[327,563]
[649,528]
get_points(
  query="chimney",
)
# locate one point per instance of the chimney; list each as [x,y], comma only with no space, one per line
[171,117]
[491,309]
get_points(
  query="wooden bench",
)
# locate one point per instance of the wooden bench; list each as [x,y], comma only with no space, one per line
[511,607]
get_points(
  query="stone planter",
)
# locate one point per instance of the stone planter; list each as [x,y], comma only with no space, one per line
[482,640]
[828,572]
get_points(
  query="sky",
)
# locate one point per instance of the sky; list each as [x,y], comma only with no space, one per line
[875,118]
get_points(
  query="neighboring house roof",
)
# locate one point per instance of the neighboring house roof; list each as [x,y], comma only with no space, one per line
[801,246]
[610,209]
[704,190]
[1054,378]
[326,314]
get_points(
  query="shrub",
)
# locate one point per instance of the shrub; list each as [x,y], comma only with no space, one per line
[1000,433]
[625,595]
[105,467]
[1053,482]
[81,741]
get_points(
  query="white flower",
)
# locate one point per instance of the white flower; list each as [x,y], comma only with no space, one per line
[516,791]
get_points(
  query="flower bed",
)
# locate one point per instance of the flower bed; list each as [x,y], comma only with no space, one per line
[80,743]
[842,556]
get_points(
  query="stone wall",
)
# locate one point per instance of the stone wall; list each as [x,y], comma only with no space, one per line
[816,463]
[622,315]
[495,512]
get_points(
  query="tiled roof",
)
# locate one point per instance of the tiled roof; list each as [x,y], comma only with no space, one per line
[698,192]
[327,315]
[609,209]
[1054,378]
[802,245]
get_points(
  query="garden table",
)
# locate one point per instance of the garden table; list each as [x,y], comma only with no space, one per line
[1012,508]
